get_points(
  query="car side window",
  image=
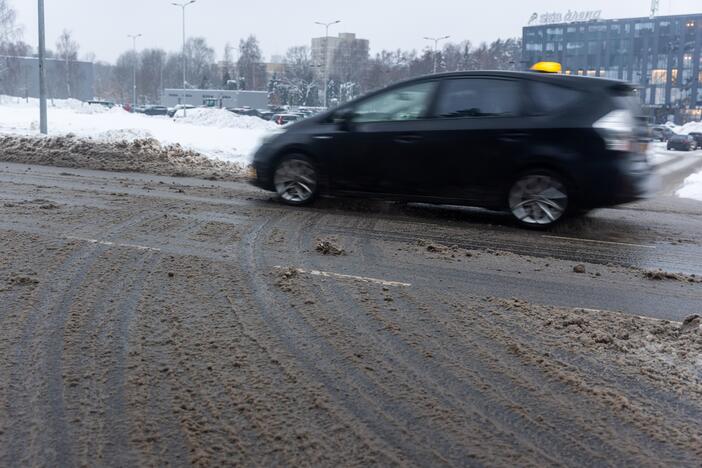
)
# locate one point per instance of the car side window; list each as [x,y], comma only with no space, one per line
[405,103]
[552,98]
[479,97]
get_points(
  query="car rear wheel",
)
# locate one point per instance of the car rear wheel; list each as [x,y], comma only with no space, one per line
[296,180]
[538,199]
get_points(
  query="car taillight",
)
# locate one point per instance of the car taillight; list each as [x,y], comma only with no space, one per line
[617,128]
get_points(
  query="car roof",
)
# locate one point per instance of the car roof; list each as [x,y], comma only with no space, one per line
[555,78]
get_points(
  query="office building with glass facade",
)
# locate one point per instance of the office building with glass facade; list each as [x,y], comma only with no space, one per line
[660,55]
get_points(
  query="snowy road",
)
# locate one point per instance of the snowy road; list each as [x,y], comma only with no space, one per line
[150,321]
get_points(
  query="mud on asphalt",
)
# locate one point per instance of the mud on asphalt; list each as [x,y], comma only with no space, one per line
[153,322]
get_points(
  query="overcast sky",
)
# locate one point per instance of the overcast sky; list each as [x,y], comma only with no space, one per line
[101,26]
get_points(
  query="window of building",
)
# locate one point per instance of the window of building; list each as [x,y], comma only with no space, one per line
[550,47]
[593,47]
[597,28]
[534,47]
[572,29]
[616,28]
[575,46]
[641,29]
[659,76]
[479,98]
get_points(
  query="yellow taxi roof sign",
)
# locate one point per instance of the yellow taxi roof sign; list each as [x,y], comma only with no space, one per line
[547,67]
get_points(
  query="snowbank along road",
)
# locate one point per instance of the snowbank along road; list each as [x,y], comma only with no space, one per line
[160,321]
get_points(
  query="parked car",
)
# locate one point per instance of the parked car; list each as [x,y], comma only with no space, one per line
[661,133]
[284,119]
[244,111]
[108,104]
[536,145]
[266,115]
[156,110]
[172,111]
[682,143]
[139,109]
[698,138]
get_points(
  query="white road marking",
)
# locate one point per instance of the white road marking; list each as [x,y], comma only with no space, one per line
[600,242]
[113,244]
[364,279]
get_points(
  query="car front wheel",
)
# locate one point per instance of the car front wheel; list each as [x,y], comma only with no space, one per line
[296,180]
[538,199]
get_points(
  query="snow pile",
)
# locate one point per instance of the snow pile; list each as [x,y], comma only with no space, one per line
[222,118]
[214,133]
[691,127]
[692,188]
[139,155]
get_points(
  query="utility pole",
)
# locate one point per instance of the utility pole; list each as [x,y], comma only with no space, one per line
[43,120]
[134,38]
[326,58]
[436,47]
[185,79]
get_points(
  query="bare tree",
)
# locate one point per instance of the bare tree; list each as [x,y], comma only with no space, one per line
[200,57]
[9,31]
[67,50]
[298,82]
[250,63]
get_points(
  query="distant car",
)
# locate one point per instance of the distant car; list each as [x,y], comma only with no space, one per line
[156,110]
[139,109]
[698,138]
[682,143]
[538,146]
[244,111]
[284,119]
[266,115]
[172,111]
[661,133]
[108,104]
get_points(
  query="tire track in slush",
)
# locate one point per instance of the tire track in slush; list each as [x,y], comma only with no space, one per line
[54,439]
[452,394]
[388,418]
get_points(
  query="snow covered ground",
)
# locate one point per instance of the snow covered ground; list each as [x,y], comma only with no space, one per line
[692,188]
[215,133]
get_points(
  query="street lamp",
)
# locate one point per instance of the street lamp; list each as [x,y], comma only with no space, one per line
[43,120]
[183,6]
[436,46]
[134,38]
[326,56]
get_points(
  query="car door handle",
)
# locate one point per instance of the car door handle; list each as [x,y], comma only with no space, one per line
[323,137]
[408,139]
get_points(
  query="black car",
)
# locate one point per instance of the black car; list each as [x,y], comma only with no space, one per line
[156,110]
[682,143]
[698,138]
[536,145]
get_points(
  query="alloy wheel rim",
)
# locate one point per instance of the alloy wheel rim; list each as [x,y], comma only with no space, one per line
[295,181]
[538,199]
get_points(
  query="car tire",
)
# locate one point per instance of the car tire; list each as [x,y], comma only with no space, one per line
[296,180]
[539,199]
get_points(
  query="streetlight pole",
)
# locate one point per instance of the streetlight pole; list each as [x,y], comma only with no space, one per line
[183,6]
[436,47]
[326,57]
[43,120]
[134,38]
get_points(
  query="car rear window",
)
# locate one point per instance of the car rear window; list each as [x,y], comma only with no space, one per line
[553,98]
[479,97]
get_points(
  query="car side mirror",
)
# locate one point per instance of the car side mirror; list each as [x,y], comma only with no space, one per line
[344,119]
